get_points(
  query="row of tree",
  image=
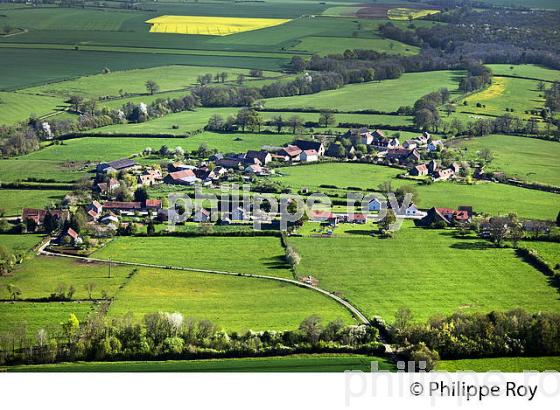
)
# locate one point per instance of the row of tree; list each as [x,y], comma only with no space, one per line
[165,335]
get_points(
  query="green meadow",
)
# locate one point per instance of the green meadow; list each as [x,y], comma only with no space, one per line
[34,315]
[337,45]
[23,168]
[258,255]
[296,363]
[386,95]
[40,276]
[13,200]
[525,71]
[518,94]
[501,364]
[428,271]
[339,174]
[527,159]
[232,302]
[114,84]
[15,107]
[549,251]
[111,148]
[19,244]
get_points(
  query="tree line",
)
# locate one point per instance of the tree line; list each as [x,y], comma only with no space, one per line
[162,335]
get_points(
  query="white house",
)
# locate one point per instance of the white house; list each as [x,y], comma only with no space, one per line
[393,143]
[309,155]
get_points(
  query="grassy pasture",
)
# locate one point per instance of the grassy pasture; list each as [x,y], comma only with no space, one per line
[258,255]
[296,363]
[40,276]
[525,70]
[169,78]
[13,200]
[502,364]
[334,45]
[386,95]
[15,107]
[19,243]
[382,275]
[339,174]
[549,251]
[234,303]
[538,4]
[516,93]
[35,316]
[12,170]
[527,203]
[524,158]
[110,148]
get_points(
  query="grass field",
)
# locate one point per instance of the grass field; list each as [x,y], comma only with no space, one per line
[526,203]
[234,303]
[40,276]
[19,243]
[428,271]
[501,364]
[514,93]
[334,45]
[13,200]
[111,148]
[341,175]
[296,363]
[525,70]
[395,93]
[35,316]
[259,255]
[15,107]
[538,4]
[527,159]
[209,26]
[168,78]
[12,170]
[549,251]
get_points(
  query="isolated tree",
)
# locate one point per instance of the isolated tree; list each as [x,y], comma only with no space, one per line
[240,79]
[295,122]
[292,257]
[150,229]
[278,123]
[256,73]
[90,287]
[498,229]
[76,101]
[327,118]
[486,155]
[7,260]
[541,86]
[215,123]
[152,87]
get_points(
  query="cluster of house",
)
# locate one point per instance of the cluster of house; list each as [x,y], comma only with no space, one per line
[446,216]
[435,170]
[390,148]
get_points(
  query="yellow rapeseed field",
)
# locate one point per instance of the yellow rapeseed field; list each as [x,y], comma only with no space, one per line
[209,26]
[403,13]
